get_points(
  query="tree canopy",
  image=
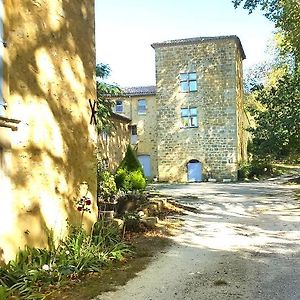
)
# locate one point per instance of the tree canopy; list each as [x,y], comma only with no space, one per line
[286,16]
[104,93]
[276,133]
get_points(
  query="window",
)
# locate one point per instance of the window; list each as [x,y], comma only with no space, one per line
[133,134]
[188,82]
[119,106]
[142,107]
[189,117]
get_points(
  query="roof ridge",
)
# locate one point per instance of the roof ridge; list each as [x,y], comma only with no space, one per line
[196,40]
[139,90]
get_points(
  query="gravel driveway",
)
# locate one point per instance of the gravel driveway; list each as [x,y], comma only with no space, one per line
[243,244]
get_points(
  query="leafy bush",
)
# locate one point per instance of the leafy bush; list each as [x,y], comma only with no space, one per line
[130,162]
[132,222]
[260,168]
[137,181]
[122,180]
[107,185]
[34,269]
[243,171]
[130,181]
[130,175]
[256,169]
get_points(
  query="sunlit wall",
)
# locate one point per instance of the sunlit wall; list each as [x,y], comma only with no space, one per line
[49,75]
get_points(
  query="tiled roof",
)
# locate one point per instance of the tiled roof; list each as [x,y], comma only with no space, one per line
[120,117]
[198,40]
[139,90]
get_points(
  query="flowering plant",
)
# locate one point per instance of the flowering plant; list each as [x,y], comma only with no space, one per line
[83,204]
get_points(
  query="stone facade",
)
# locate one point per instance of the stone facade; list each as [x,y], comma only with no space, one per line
[216,139]
[49,158]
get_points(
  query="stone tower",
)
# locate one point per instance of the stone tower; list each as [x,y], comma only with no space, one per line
[199,108]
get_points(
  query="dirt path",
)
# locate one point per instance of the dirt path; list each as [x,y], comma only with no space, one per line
[244,244]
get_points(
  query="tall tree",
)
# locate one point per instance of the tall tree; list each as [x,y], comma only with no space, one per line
[276,134]
[286,16]
[104,93]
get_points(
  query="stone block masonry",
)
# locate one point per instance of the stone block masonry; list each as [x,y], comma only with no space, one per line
[215,139]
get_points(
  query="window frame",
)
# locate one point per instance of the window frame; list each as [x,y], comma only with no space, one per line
[190,116]
[142,112]
[120,106]
[189,79]
[133,134]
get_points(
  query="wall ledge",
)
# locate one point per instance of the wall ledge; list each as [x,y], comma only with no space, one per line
[9,123]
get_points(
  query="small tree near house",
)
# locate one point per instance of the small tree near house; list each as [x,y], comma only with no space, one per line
[129,175]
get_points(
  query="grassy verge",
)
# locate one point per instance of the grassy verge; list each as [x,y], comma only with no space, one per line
[145,245]
[34,270]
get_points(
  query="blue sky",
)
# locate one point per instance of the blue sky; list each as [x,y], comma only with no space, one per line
[125,29]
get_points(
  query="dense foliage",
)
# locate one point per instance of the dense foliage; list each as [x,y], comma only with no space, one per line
[277,130]
[130,161]
[276,108]
[286,16]
[256,169]
[106,185]
[130,175]
[104,93]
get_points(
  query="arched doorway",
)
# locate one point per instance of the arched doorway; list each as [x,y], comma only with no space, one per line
[194,171]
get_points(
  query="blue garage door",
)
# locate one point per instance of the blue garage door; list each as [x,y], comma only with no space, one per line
[194,169]
[146,164]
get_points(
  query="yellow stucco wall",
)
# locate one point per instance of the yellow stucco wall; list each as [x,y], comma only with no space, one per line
[49,77]
[146,126]
[112,146]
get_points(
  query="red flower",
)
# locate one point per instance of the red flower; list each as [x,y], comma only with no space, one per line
[79,208]
[88,202]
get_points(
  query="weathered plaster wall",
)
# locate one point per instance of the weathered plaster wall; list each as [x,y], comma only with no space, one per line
[112,147]
[49,77]
[215,142]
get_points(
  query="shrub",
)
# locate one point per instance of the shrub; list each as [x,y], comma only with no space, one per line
[255,169]
[260,168]
[130,162]
[137,181]
[243,171]
[122,180]
[34,269]
[132,222]
[130,181]
[130,174]
[107,185]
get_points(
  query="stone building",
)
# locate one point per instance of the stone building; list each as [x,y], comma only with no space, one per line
[139,104]
[47,142]
[199,108]
[192,129]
